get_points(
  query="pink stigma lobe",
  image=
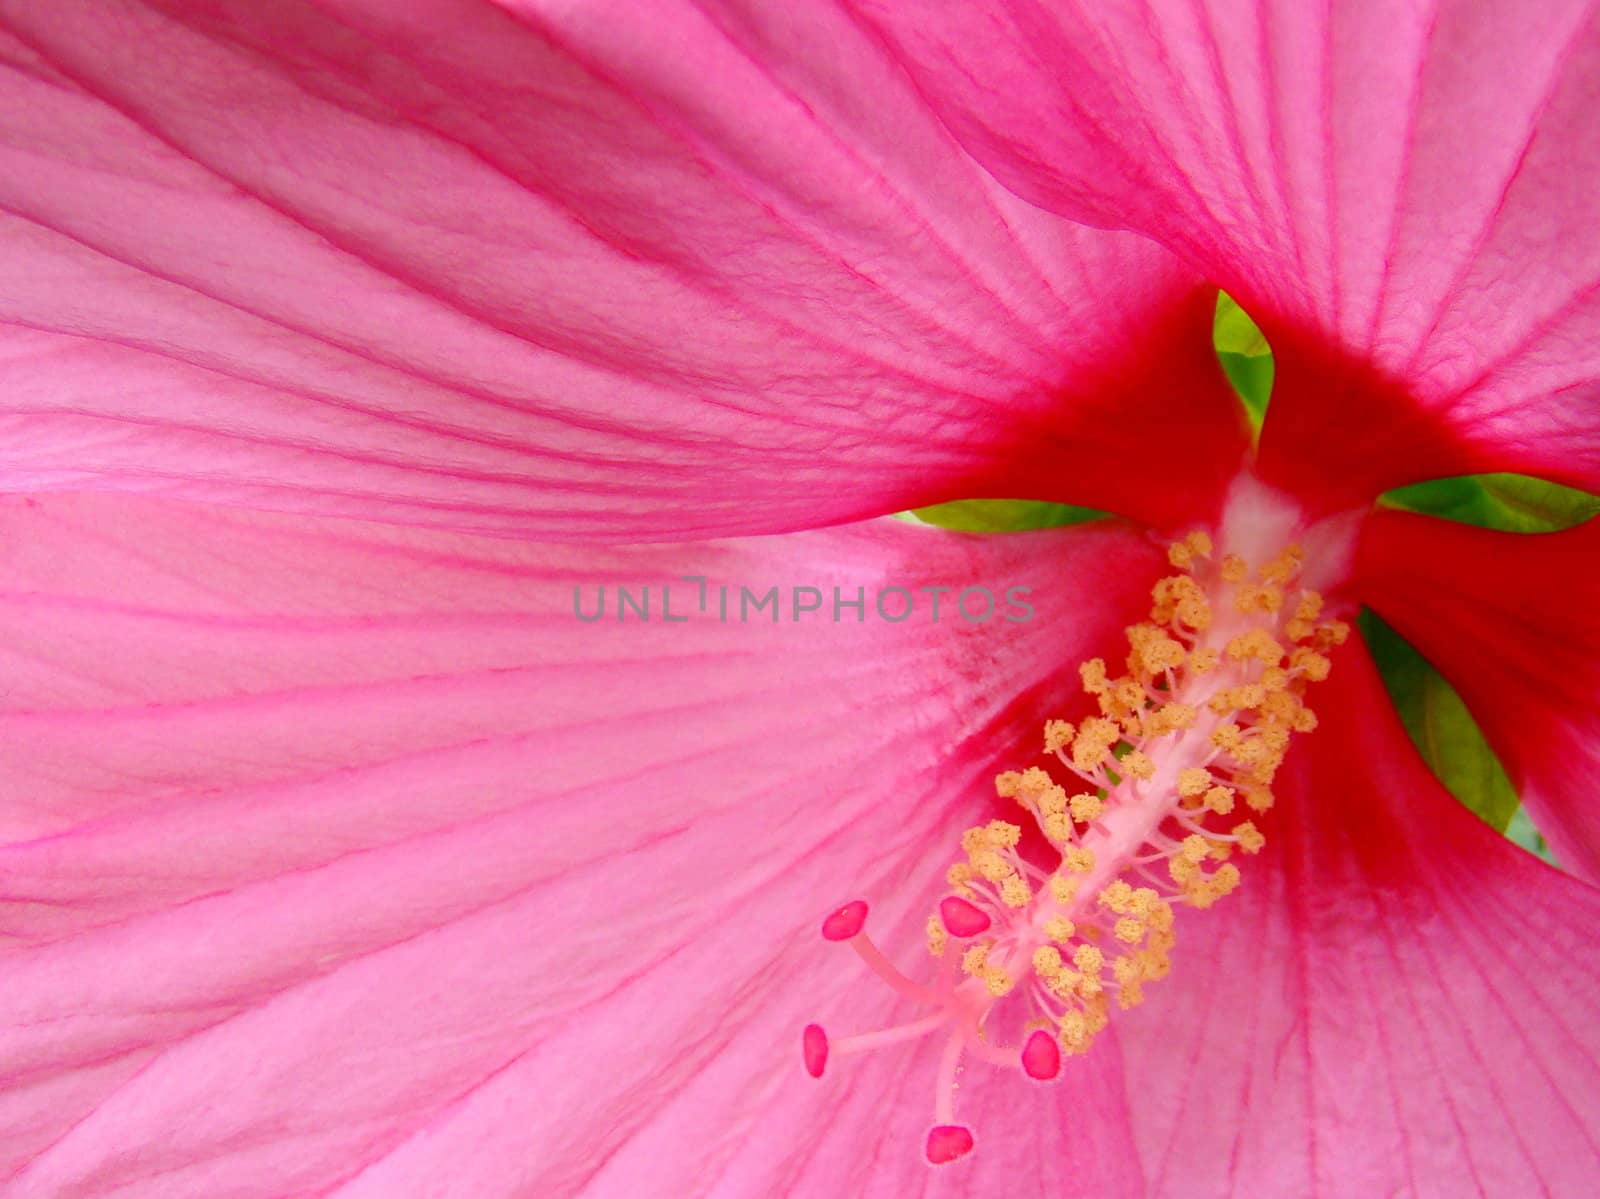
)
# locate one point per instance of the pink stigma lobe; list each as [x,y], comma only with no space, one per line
[1041,1056]
[947,1142]
[846,922]
[960,918]
[814,1049]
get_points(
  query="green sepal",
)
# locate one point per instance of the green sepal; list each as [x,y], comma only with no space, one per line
[1233,332]
[1509,503]
[1004,516]
[1251,376]
[1245,356]
[1437,720]
[1522,832]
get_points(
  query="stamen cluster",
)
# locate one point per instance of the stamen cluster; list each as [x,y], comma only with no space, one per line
[1187,737]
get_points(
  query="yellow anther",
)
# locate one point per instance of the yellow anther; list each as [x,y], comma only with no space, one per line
[1078,859]
[1086,807]
[1145,903]
[1065,984]
[1203,660]
[1263,598]
[990,865]
[1074,1035]
[1025,787]
[1047,961]
[1181,600]
[1063,889]
[1202,892]
[1124,701]
[1233,569]
[1130,996]
[1093,742]
[1057,735]
[1060,930]
[1096,1012]
[1003,834]
[1258,798]
[1193,780]
[1153,651]
[1093,673]
[1015,893]
[1281,705]
[1127,970]
[1051,799]
[937,937]
[1194,848]
[1250,838]
[1227,736]
[1168,718]
[1137,765]
[1130,930]
[1117,896]
[1160,921]
[1058,827]
[1243,698]
[1258,644]
[1285,566]
[1335,632]
[998,981]
[1219,799]
[1309,606]
[1199,542]
[1088,959]
[1180,555]
[1262,751]
[1308,662]
[1182,870]
[972,961]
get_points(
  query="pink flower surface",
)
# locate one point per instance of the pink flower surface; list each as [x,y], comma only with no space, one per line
[341,341]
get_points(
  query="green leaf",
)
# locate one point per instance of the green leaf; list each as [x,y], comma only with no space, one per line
[1510,503]
[1438,722]
[1003,516]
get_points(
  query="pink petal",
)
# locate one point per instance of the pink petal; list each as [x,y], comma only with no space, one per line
[645,270]
[1397,1001]
[1510,620]
[1400,193]
[343,859]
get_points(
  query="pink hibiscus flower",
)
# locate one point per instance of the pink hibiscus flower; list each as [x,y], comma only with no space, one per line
[346,346]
